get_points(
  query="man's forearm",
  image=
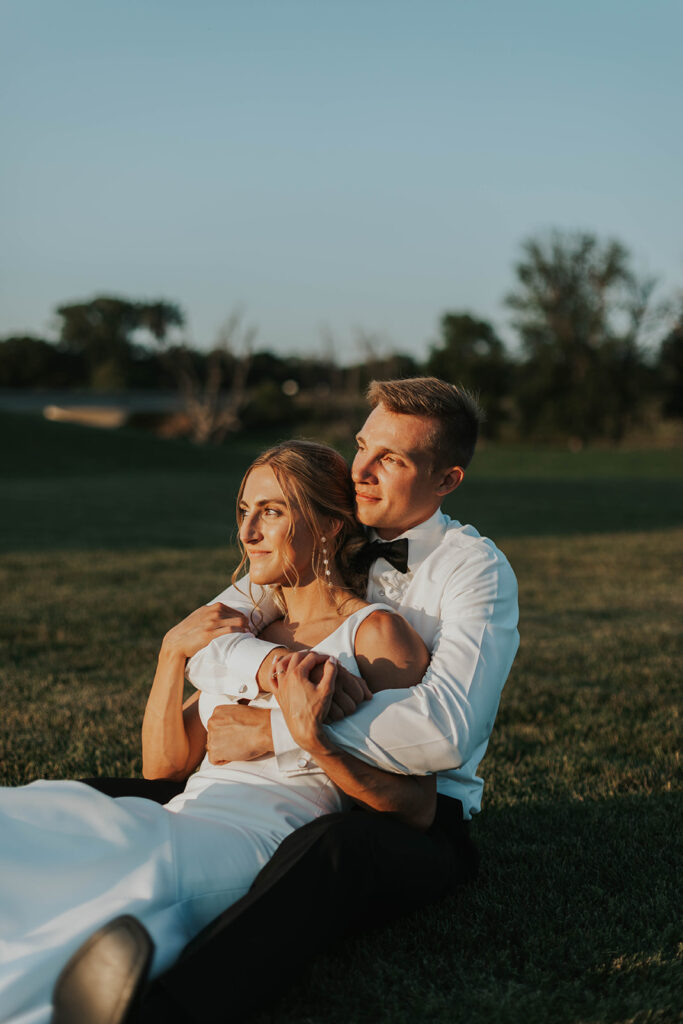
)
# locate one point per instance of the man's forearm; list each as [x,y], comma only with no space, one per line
[241,733]
[412,799]
[305,705]
[401,732]
[446,720]
[229,665]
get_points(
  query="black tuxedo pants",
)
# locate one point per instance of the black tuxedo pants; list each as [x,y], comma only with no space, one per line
[337,876]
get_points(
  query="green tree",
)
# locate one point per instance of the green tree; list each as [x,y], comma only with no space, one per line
[159,317]
[101,332]
[471,353]
[579,309]
[27,362]
[670,371]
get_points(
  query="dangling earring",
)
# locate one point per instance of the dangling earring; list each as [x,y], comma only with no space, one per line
[326,561]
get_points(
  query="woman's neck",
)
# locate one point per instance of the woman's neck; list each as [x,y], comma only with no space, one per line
[315,601]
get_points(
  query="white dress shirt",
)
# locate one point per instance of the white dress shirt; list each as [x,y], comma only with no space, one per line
[460,595]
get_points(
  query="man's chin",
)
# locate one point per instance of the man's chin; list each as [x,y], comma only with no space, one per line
[367,515]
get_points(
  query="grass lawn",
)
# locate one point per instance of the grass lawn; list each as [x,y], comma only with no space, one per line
[109,538]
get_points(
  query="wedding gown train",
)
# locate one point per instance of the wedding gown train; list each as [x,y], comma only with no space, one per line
[72,858]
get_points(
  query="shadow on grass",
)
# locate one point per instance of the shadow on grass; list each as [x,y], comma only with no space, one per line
[574,918]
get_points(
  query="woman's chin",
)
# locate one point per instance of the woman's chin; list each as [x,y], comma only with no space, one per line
[263,578]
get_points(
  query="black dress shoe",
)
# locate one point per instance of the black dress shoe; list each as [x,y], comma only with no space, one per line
[102,981]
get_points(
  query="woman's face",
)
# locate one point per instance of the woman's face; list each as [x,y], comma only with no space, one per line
[263,527]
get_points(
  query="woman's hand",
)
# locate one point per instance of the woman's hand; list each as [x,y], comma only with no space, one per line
[201,627]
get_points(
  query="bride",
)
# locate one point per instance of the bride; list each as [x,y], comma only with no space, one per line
[72,858]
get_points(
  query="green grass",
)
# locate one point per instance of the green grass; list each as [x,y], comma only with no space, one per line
[65,486]
[576,915]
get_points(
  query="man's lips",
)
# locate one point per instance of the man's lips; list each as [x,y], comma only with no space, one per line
[366,497]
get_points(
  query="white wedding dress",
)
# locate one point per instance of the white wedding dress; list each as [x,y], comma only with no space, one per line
[72,858]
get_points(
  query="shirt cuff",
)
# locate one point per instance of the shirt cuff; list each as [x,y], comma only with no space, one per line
[245,661]
[229,668]
[291,760]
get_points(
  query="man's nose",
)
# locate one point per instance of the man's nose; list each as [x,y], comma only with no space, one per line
[361,468]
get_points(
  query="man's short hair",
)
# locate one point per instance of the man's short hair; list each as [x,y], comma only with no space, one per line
[455,410]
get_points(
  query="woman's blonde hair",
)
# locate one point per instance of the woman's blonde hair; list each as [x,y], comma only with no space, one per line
[316,481]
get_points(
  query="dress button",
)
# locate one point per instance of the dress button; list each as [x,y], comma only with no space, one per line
[302,763]
[243,688]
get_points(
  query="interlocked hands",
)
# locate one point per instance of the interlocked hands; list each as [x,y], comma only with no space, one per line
[310,688]
[313,689]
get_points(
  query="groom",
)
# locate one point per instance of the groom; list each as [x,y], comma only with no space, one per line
[344,873]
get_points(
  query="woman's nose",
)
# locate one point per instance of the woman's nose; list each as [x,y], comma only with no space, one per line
[249,528]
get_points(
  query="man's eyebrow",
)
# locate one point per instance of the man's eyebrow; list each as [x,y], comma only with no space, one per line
[390,451]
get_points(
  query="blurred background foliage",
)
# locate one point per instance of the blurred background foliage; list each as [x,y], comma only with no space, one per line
[596,359]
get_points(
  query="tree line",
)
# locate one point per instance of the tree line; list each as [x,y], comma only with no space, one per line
[583,369]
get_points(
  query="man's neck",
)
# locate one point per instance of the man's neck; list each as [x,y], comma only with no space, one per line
[391,533]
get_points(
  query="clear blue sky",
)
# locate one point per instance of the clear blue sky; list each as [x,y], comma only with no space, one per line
[365,163]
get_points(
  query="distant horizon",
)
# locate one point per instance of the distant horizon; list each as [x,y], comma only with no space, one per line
[329,169]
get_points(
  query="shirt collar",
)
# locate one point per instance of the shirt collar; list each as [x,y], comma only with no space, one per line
[422,538]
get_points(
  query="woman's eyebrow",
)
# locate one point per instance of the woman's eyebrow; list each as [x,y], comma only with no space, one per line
[266,501]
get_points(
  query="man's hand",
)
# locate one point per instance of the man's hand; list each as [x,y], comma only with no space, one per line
[202,626]
[349,690]
[305,703]
[237,732]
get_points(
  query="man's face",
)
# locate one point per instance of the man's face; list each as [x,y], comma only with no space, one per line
[396,486]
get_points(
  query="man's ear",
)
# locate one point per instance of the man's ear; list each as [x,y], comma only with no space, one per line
[449,479]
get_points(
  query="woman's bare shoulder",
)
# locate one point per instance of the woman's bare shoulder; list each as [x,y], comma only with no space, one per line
[382,627]
[389,652]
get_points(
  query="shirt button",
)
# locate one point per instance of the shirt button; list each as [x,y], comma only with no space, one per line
[382,594]
[302,763]
[243,688]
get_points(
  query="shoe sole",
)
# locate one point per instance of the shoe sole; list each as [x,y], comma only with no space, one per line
[102,981]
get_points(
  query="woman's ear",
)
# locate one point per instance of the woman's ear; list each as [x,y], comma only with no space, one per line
[449,479]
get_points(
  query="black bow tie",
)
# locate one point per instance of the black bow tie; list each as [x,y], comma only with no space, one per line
[394,551]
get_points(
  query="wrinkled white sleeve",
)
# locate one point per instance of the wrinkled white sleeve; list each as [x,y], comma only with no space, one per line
[229,664]
[438,724]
